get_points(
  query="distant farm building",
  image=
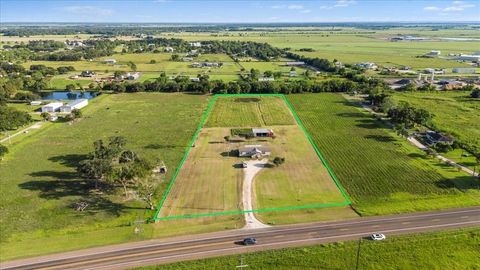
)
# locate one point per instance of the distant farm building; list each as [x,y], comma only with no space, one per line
[433,53]
[464,70]
[299,63]
[52,107]
[76,104]
[195,79]
[35,102]
[469,57]
[169,49]
[110,61]
[262,132]
[266,79]
[254,151]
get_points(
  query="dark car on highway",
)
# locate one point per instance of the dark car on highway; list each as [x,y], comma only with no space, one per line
[249,241]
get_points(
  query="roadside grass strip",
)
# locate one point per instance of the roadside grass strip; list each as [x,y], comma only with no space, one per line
[212,125]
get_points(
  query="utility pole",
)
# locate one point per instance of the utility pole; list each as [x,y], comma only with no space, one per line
[241,265]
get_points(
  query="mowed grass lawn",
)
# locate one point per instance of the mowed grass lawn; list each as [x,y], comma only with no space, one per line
[249,111]
[454,112]
[381,172]
[39,182]
[454,250]
[208,182]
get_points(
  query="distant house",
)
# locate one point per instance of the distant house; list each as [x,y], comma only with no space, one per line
[87,73]
[433,53]
[195,44]
[464,70]
[110,61]
[187,59]
[169,49]
[262,132]
[73,77]
[52,107]
[434,71]
[367,65]
[132,76]
[266,79]
[254,151]
[433,137]
[297,63]
[76,104]
[195,79]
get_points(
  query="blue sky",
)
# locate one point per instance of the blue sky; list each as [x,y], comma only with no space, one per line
[238,11]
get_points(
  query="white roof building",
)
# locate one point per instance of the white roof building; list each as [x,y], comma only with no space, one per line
[76,104]
[52,107]
[110,61]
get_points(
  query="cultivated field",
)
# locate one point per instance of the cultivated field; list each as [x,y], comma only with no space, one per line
[455,250]
[381,172]
[249,112]
[210,181]
[454,112]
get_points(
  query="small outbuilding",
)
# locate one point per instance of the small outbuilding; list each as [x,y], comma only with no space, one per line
[262,132]
[36,102]
[110,61]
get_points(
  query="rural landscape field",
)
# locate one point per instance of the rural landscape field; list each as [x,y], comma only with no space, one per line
[278,134]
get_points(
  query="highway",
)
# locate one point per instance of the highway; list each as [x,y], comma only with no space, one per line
[190,247]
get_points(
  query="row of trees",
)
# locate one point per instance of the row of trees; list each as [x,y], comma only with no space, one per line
[183,84]
[112,164]
[11,118]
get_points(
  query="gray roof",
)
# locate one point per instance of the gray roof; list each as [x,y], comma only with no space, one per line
[251,148]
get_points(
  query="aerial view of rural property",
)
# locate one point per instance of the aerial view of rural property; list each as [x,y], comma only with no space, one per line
[240,134]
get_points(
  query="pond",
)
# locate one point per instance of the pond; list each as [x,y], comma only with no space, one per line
[66,95]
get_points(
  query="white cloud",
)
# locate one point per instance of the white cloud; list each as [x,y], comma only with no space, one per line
[278,6]
[88,10]
[431,8]
[306,11]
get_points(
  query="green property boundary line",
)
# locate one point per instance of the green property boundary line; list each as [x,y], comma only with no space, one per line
[192,141]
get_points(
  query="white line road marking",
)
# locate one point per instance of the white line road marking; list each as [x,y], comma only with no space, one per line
[259,233]
[285,242]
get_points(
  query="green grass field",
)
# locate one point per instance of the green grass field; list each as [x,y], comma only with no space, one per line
[249,112]
[40,183]
[454,112]
[455,250]
[381,172]
[350,45]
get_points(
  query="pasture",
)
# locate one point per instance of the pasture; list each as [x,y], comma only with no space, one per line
[40,183]
[382,173]
[455,250]
[210,181]
[454,112]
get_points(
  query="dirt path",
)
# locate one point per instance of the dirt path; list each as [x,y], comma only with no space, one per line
[253,167]
[34,126]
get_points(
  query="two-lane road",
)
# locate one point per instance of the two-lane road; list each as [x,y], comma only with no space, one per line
[223,243]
